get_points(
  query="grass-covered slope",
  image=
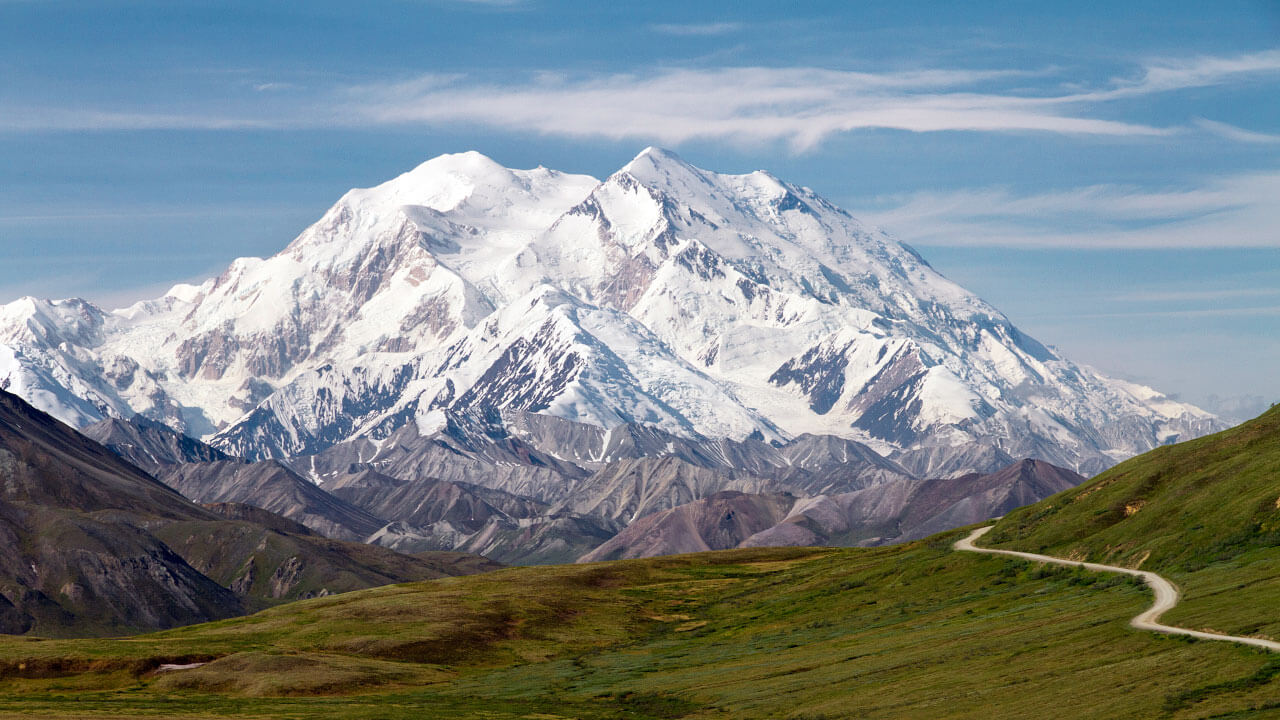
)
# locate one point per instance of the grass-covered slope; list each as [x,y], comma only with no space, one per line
[1205,513]
[909,631]
[903,632]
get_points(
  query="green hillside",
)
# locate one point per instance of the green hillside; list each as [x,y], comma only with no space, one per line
[913,631]
[904,632]
[1204,513]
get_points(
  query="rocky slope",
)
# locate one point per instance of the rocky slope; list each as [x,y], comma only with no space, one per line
[433,514]
[718,522]
[429,501]
[422,515]
[271,486]
[73,519]
[908,511]
[266,566]
[625,482]
[206,475]
[150,445]
[881,514]
[705,305]
[97,546]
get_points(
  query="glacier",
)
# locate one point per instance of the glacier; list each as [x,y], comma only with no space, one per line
[706,305]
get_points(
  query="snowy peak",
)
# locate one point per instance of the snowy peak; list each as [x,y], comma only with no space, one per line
[441,184]
[452,183]
[659,169]
[703,304]
[72,321]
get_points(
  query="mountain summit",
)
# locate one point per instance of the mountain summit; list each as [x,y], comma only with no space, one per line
[723,306]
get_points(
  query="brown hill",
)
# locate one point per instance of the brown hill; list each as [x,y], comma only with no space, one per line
[94,545]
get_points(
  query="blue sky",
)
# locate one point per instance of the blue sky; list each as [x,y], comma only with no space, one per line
[1108,174]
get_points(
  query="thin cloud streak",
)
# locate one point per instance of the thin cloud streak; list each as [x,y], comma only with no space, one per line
[802,106]
[1199,313]
[1192,295]
[1205,71]
[1231,132]
[62,119]
[697,29]
[1237,211]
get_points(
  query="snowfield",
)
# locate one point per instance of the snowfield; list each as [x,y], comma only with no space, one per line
[720,306]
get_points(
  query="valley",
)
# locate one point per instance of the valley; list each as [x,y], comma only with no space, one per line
[537,360]
[895,632]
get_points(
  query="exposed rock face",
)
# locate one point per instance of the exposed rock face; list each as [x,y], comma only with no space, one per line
[713,307]
[271,486]
[73,516]
[913,510]
[467,448]
[718,522]
[429,501]
[433,514]
[885,513]
[554,538]
[953,460]
[629,489]
[97,546]
[150,445]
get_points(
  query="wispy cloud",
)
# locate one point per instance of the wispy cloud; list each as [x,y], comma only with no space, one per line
[1193,295]
[41,119]
[697,29]
[1206,70]
[1197,313]
[802,106]
[489,3]
[1234,211]
[1231,132]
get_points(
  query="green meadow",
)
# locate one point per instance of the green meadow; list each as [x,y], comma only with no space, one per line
[912,631]
[903,632]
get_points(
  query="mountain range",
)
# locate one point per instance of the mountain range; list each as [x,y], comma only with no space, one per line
[822,490]
[712,308]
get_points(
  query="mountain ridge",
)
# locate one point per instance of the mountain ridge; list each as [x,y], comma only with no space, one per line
[722,306]
[98,546]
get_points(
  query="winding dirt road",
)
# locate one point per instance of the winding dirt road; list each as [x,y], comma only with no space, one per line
[1165,591]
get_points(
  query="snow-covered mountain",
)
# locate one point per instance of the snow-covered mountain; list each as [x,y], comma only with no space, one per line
[707,305]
